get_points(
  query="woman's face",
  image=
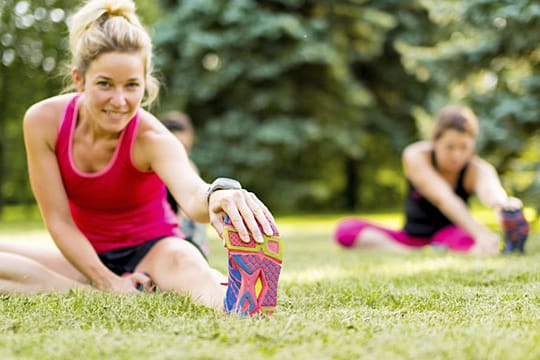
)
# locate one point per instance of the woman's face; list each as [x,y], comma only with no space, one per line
[453,150]
[113,87]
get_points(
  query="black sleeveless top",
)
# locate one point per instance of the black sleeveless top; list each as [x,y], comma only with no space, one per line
[422,218]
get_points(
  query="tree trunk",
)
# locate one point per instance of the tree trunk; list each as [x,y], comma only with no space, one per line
[4,101]
[352,183]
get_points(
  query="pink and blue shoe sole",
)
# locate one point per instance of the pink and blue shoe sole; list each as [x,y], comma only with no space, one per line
[254,270]
[516,230]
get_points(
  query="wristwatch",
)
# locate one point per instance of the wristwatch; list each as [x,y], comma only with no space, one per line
[222,184]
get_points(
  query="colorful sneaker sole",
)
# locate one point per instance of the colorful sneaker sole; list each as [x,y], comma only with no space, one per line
[516,230]
[254,270]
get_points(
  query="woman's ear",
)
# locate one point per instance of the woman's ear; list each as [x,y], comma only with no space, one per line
[77,78]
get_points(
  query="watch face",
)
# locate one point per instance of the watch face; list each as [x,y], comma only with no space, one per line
[225,183]
[222,184]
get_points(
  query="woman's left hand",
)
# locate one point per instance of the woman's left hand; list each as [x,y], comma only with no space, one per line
[511,203]
[245,211]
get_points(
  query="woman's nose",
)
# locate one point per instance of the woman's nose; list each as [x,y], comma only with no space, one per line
[118,98]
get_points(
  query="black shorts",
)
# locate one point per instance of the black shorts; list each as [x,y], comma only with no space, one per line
[125,260]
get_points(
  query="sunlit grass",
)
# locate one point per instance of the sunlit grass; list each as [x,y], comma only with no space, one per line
[333,304]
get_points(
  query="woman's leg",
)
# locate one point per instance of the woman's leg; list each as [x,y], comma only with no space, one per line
[374,238]
[24,275]
[453,238]
[176,265]
[50,258]
[362,234]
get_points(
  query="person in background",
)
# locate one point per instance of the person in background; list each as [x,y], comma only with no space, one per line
[442,174]
[99,166]
[180,125]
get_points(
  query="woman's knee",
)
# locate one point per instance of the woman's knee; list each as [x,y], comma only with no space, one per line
[454,238]
[185,259]
[347,231]
[170,261]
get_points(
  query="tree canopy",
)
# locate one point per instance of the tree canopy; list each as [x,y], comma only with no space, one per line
[33,55]
[308,103]
[32,49]
[490,55]
[284,96]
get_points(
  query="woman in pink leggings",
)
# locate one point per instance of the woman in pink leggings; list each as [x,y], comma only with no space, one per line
[442,174]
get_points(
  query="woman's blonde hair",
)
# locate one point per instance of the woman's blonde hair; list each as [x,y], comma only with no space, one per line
[104,26]
[455,117]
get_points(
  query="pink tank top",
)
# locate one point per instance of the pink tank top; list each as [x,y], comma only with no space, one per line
[119,206]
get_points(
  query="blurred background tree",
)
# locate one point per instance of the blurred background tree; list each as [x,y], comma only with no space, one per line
[33,55]
[308,103]
[488,56]
[32,47]
[298,99]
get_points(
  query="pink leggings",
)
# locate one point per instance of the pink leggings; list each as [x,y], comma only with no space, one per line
[451,237]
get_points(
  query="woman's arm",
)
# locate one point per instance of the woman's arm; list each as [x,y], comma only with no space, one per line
[158,150]
[488,188]
[40,128]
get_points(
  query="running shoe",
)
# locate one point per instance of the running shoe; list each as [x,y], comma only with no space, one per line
[516,230]
[254,270]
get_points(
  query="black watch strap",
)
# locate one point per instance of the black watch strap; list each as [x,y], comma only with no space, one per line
[222,184]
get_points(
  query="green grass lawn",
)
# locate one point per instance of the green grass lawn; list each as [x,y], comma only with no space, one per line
[333,304]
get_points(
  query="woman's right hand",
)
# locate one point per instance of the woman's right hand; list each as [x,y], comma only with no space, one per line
[132,283]
[486,243]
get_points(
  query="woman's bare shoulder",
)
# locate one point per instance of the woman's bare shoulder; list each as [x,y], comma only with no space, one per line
[150,127]
[417,149]
[478,164]
[47,110]
[152,140]
[42,120]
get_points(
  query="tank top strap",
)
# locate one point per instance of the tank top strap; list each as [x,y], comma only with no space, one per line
[128,139]
[69,115]
[462,174]
[460,183]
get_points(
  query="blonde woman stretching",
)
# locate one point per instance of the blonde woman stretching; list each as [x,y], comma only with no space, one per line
[99,166]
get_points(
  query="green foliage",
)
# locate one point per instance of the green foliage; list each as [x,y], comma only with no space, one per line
[490,58]
[33,53]
[32,49]
[274,91]
[308,103]
[148,11]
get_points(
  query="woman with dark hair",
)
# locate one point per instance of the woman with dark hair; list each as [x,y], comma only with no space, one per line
[442,173]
